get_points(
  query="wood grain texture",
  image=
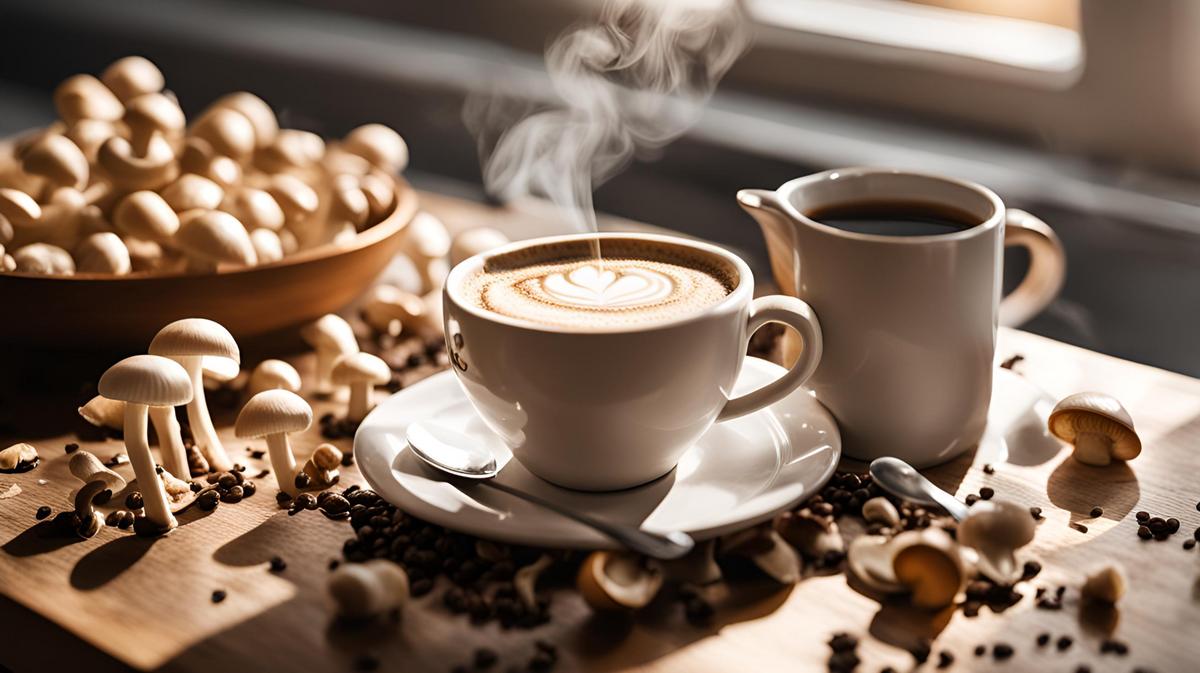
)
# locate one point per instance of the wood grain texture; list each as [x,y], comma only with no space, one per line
[117,602]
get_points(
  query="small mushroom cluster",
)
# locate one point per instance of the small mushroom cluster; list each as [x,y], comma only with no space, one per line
[121,183]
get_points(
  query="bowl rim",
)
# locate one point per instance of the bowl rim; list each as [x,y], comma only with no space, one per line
[403,211]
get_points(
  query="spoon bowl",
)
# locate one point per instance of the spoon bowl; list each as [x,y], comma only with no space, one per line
[903,481]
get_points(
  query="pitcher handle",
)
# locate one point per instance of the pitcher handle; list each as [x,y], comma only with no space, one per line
[799,316]
[1047,267]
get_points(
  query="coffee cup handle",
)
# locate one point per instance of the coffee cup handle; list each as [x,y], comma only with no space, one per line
[1047,267]
[799,316]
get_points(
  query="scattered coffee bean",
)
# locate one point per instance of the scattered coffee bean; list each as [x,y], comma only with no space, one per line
[302,480]
[207,501]
[1142,517]
[238,467]
[249,489]
[256,454]
[697,611]
[1189,544]
[219,595]
[1011,362]
[42,512]
[262,474]
[1030,570]
[333,564]
[1036,513]
[1079,527]
[134,501]
[1064,643]
[987,492]
[1083,668]
[195,486]
[945,659]
[227,480]
[277,564]
[71,447]
[1097,512]
[980,650]
[843,642]
[127,519]
[1172,525]
[1111,646]
[988,469]
[1002,651]
[1144,532]
[920,651]
[232,495]
[282,498]
[971,499]
[1043,639]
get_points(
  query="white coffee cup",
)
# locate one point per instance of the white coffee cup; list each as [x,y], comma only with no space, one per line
[603,409]
[909,321]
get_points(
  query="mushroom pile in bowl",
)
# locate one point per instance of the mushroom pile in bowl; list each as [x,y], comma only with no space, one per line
[122,183]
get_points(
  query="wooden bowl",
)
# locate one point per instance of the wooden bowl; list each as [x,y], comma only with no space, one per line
[96,311]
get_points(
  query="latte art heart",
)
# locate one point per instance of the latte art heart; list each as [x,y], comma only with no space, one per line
[589,285]
[618,292]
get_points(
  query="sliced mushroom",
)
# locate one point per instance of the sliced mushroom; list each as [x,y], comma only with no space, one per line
[929,565]
[764,547]
[610,580]
[869,558]
[103,253]
[996,530]
[1098,426]
[525,580]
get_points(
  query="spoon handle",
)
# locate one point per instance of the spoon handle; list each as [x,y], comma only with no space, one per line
[660,546]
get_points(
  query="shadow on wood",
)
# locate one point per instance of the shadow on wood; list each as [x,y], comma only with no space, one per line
[106,562]
[1078,488]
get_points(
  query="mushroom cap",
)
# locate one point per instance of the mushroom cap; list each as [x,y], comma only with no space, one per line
[219,369]
[267,246]
[292,148]
[195,336]
[146,215]
[102,252]
[18,208]
[256,209]
[610,580]
[190,191]
[85,97]
[228,131]
[427,237]
[216,236]
[147,379]
[261,116]
[360,367]
[295,197]
[1092,412]
[929,564]
[378,144]
[44,258]
[274,374]
[86,467]
[272,412]
[58,159]
[330,332]
[133,76]
[103,412]
[474,241]
[152,112]
[996,523]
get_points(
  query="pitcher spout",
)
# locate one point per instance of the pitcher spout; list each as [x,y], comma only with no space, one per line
[780,233]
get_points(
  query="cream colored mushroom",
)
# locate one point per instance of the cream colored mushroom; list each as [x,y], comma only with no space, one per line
[1105,584]
[152,169]
[764,547]
[261,116]
[610,580]
[362,372]
[18,208]
[347,203]
[149,115]
[85,97]
[271,375]
[146,215]
[102,253]
[475,241]
[295,198]
[103,412]
[142,381]
[228,131]
[188,342]
[380,192]
[322,466]
[214,238]
[926,563]
[367,590]
[881,510]
[379,145]
[57,160]
[132,76]
[331,337]
[170,441]
[267,246]
[996,530]
[20,457]
[272,414]
[291,151]
[389,309]
[7,263]
[191,192]
[90,134]
[199,158]
[255,208]
[45,259]
[86,467]
[526,578]
[427,243]
[1098,426]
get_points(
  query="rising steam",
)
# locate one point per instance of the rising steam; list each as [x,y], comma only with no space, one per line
[633,82]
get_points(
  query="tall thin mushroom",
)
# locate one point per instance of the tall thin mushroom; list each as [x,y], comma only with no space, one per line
[144,381]
[362,372]
[188,342]
[273,414]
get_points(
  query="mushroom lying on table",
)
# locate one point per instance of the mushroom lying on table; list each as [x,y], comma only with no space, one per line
[1098,426]
[273,414]
[143,381]
[618,580]
[925,563]
[188,342]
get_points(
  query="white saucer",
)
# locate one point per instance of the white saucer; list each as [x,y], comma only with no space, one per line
[740,472]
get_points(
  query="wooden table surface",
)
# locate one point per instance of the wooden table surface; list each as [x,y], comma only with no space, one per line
[118,602]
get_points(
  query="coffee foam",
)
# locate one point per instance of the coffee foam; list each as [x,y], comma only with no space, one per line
[636,283]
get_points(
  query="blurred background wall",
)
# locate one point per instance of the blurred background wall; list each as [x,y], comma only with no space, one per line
[1084,112]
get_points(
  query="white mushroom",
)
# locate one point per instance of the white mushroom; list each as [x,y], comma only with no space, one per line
[86,467]
[214,238]
[132,76]
[261,116]
[104,413]
[388,309]
[295,198]
[427,243]
[85,97]
[102,253]
[190,191]
[170,441]
[362,372]
[130,170]
[618,580]
[58,160]
[331,337]
[228,131]
[379,145]
[996,530]
[271,375]
[272,414]
[926,563]
[267,246]
[149,115]
[1098,426]
[147,216]
[367,590]
[142,381]
[292,151]
[44,258]
[380,192]
[475,241]
[254,208]
[188,342]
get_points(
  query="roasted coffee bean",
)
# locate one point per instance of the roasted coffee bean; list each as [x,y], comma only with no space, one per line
[134,501]
[1097,512]
[971,608]
[920,651]
[282,498]
[698,611]
[1036,513]
[249,489]
[306,501]
[421,587]
[127,519]
[227,481]
[333,564]
[110,520]
[1144,532]
[1002,651]
[278,564]
[219,595]
[1189,544]
[1083,668]
[1142,517]
[1043,639]
[1172,525]
[212,478]
[987,492]
[1064,643]
[971,499]
[945,659]
[195,486]
[988,469]
[232,495]
[207,501]
[1079,527]
[42,512]
[980,650]
[71,447]
[1030,570]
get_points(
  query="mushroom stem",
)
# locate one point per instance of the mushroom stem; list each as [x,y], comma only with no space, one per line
[282,462]
[199,420]
[1093,448]
[326,358]
[360,400]
[170,441]
[138,447]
